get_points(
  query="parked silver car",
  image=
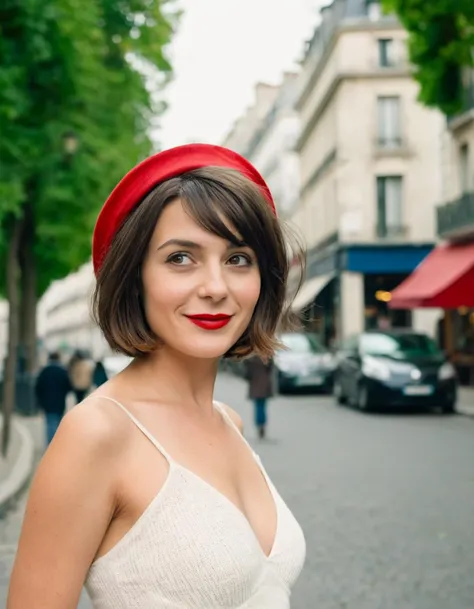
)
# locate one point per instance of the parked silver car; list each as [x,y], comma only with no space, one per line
[305,363]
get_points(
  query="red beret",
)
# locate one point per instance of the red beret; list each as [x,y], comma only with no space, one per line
[149,173]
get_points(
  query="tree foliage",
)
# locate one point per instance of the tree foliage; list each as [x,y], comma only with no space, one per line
[441,46]
[71,66]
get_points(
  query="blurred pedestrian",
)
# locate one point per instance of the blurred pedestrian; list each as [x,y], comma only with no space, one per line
[80,374]
[51,388]
[151,496]
[260,377]
[99,376]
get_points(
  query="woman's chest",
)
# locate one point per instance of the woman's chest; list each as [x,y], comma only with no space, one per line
[225,468]
[192,546]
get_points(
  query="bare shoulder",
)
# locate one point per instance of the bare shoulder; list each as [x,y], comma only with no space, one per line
[95,425]
[71,502]
[234,416]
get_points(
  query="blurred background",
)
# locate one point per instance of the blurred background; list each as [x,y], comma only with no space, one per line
[360,116]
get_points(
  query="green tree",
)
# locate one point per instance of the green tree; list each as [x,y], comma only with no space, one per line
[441,46]
[91,68]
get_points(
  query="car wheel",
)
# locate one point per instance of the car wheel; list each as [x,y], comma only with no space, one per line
[338,392]
[449,408]
[362,398]
[282,387]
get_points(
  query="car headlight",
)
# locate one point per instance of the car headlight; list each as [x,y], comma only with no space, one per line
[375,369]
[446,372]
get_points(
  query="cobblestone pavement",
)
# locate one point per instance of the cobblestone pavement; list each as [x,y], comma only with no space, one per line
[385,500]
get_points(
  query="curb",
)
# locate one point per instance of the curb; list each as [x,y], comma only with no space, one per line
[21,471]
[464,412]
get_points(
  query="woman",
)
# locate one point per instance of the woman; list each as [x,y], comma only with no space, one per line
[260,377]
[149,493]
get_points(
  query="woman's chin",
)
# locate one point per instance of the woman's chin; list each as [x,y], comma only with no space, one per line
[206,349]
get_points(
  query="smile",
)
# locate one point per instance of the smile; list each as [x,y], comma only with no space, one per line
[210,322]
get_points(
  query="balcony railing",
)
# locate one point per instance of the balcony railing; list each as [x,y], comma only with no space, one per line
[386,231]
[390,146]
[456,219]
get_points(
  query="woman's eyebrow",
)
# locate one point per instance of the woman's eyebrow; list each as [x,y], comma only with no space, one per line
[180,243]
[194,245]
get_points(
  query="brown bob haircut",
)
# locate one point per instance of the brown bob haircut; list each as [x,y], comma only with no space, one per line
[210,195]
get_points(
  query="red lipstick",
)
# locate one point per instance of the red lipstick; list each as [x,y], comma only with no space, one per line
[210,322]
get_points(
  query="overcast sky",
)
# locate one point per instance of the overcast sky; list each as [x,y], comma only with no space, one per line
[223,47]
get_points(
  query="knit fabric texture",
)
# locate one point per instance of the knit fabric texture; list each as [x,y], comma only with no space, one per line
[192,548]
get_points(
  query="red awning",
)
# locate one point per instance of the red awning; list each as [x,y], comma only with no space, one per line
[444,279]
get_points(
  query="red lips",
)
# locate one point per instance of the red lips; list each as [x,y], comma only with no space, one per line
[210,322]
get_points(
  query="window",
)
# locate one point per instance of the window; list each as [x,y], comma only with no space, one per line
[389,206]
[389,122]
[418,345]
[374,11]
[465,170]
[386,54]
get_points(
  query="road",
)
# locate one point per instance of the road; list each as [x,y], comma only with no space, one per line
[385,500]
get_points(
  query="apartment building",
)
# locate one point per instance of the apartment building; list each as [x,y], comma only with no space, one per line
[266,135]
[64,320]
[445,278]
[244,128]
[369,161]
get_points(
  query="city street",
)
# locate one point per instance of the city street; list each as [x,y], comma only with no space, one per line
[385,500]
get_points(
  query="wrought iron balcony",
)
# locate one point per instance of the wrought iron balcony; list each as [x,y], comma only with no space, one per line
[455,220]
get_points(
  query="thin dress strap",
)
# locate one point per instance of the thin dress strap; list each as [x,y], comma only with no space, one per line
[221,408]
[141,427]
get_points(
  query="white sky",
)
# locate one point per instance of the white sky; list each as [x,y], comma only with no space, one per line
[222,48]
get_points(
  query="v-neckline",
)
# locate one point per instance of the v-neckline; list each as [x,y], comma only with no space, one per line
[228,501]
[230,423]
[174,464]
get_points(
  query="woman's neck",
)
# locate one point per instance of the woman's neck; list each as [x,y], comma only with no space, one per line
[174,378]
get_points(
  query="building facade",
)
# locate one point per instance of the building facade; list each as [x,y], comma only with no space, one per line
[272,147]
[446,277]
[369,161]
[266,135]
[244,128]
[64,319]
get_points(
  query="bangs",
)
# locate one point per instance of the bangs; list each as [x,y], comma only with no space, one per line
[233,214]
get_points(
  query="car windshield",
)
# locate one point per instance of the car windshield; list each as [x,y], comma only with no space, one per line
[302,343]
[416,345]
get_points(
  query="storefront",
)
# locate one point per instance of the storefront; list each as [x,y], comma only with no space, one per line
[349,287]
[445,280]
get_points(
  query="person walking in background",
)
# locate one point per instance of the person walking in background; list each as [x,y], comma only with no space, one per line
[80,373]
[260,377]
[99,376]
[52,386]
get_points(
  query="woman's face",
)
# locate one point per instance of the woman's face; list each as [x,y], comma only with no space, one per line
[200,291]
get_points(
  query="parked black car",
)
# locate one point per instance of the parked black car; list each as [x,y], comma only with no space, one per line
[305,363]
[394,368]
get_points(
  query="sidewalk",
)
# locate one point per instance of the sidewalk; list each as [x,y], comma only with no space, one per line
[466,401]
[26,445]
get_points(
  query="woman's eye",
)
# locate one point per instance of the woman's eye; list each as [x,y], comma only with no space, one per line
[179,259]
[240,260]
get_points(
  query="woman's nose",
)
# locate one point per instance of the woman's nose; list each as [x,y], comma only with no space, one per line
[213,284]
